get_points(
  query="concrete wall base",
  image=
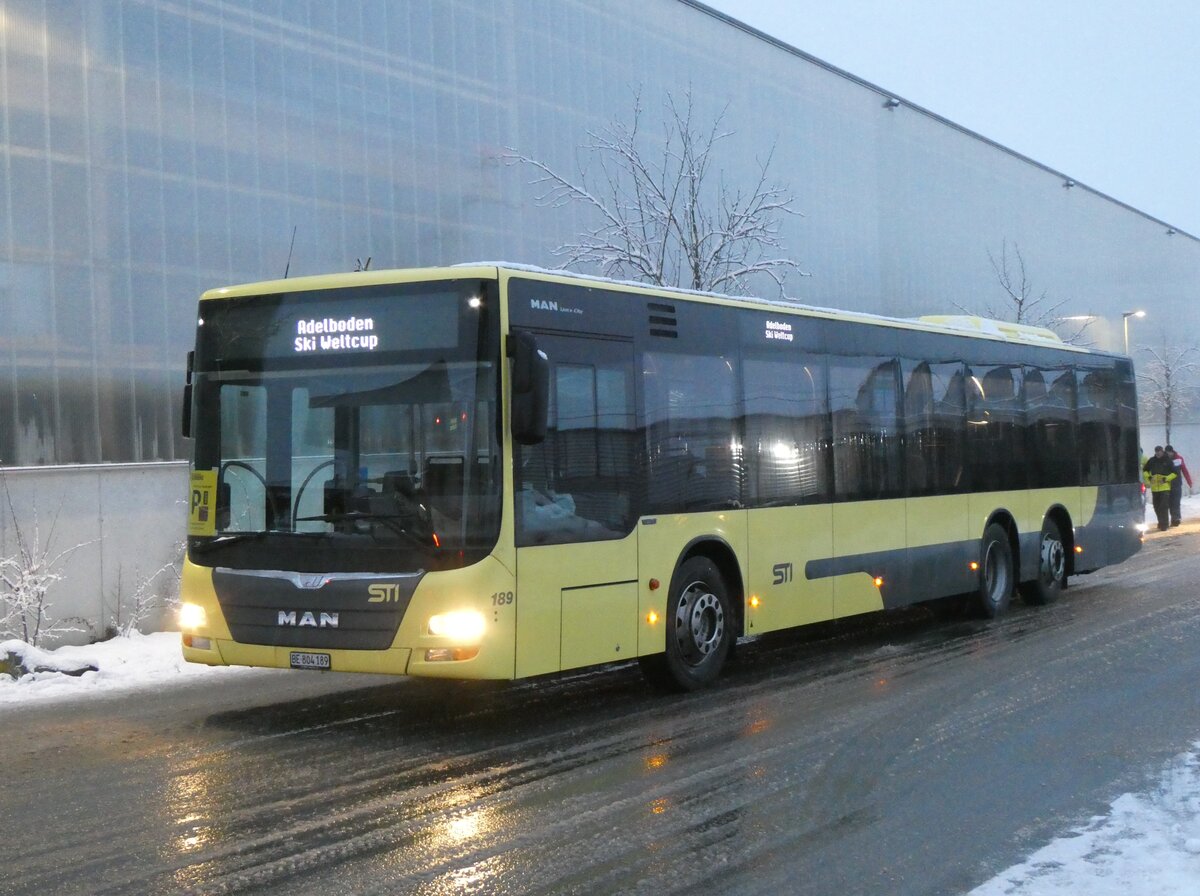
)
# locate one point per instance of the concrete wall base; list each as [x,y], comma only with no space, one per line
[118,531]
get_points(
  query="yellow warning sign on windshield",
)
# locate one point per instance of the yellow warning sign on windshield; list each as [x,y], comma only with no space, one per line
[202,503]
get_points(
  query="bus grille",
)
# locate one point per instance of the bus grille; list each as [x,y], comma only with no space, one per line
[278,609]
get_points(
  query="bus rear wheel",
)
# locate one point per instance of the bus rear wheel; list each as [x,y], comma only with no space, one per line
[995,572]
[700,629]
[1052,569]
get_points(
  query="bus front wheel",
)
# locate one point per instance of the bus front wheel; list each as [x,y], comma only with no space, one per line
[995,572]
[700,629]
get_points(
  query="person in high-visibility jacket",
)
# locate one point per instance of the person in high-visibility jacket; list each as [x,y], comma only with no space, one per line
[1159,473]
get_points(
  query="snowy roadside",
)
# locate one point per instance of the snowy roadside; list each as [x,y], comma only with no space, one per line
[1148,843]
[127,664]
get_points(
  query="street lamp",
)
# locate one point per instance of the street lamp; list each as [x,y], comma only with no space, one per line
[1125,315]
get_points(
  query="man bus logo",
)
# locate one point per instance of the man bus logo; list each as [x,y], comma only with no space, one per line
[543,305]
[783,573]
[384,594]
[308,619]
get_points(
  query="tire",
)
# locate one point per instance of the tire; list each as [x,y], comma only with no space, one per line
[699,629]
[1051,580]
[995,572]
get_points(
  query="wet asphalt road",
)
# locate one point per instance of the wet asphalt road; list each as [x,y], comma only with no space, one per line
[900,754]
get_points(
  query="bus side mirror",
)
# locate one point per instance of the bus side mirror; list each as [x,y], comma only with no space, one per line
[186,427]
[530,388]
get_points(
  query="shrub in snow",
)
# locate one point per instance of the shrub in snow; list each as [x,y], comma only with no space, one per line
[150,595]
[25,579]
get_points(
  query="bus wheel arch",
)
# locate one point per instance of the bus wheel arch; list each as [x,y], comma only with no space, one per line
[721,554]
[703,619]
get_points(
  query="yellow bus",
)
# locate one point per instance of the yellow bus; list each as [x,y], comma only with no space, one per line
[498,472]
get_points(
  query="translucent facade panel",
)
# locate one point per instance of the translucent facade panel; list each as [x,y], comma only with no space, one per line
[150,149]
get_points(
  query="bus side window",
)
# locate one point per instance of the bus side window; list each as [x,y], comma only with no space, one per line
[1099,429]
[577,484]
[695,456]
[863,395]
[787,431]
[996,428]
[1050,409]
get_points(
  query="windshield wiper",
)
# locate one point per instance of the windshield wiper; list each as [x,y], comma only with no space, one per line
[391,521]
[222,541]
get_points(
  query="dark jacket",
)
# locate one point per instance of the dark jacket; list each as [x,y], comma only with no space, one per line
[1158,473]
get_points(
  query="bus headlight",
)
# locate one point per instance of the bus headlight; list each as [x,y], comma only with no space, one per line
[192,616]
[463,626]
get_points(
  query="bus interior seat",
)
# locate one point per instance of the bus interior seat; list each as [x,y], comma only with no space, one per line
[400,482]
[442,482]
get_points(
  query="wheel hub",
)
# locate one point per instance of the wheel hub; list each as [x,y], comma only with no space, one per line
[699,622]
[1053,559]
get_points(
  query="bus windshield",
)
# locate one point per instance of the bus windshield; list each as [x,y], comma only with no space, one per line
[349,430]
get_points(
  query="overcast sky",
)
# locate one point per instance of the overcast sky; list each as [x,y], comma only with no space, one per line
[1105,91]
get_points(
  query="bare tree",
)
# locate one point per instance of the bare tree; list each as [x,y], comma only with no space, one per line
[1167,381]
[666,214]
[1024,304]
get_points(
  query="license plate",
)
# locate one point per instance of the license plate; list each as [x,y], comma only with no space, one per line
[310,660]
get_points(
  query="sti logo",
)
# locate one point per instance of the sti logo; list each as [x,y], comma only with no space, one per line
[383,593]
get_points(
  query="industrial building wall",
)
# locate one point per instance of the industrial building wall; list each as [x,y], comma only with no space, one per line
[150,149]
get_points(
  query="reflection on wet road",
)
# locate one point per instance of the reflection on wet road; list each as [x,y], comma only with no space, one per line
[902,753]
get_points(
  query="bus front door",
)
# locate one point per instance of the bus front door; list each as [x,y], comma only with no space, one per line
[574,497]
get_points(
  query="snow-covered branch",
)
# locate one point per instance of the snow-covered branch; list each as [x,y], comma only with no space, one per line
[661,214]
[1024,304]
[1167,380]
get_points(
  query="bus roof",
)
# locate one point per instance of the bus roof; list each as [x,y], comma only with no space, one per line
[957,324]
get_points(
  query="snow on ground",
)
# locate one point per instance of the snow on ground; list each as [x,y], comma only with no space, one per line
[1147,843]
[139,662]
